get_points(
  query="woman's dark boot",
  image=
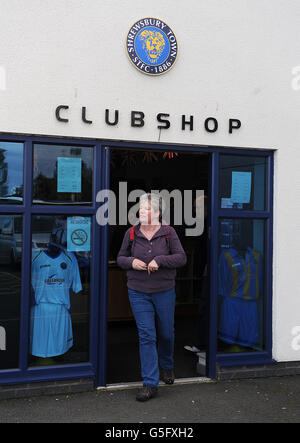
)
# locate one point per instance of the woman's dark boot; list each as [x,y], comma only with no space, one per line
[168,376]
[146,393]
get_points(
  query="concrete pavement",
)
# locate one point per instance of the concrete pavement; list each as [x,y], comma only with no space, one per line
[264,400]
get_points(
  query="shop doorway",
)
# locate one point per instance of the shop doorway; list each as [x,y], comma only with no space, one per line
[157,170]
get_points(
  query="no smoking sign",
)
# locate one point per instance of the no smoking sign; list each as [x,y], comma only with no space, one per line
[79,234]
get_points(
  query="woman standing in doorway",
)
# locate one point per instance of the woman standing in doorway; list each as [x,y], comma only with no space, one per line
[151,251]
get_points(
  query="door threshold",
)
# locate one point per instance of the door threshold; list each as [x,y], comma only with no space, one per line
[134,385]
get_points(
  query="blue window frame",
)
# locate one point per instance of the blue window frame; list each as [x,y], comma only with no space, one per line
[259,208]
[96,366]
[29,210]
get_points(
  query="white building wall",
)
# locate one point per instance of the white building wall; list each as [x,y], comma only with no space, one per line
[236,60]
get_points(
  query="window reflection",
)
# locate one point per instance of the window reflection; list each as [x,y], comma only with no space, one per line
[62,174]
[241,277]
[60,277]
[11,173]
[10,289]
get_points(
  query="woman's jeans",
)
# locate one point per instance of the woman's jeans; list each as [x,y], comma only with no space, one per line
[154,316]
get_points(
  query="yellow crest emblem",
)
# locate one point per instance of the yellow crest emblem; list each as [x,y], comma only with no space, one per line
[153,45]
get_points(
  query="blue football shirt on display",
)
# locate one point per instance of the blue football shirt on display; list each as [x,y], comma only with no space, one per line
[53,279]
[240,286]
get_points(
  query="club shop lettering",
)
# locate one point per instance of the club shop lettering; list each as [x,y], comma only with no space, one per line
[137,119]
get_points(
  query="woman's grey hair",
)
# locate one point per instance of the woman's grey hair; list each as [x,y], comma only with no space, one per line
[156,201]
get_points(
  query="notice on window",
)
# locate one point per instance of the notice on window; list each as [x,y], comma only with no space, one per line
[227,203]
[241,187]
[78,234]
[68,174]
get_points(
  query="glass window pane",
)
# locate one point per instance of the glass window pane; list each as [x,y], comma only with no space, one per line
[61,285]
[62,174]
[10,289]
[241,285]
[243,182]
[11,173]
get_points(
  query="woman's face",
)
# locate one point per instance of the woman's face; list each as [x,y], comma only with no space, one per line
[147,215]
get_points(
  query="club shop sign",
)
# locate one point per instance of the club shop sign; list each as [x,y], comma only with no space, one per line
[138,119]
[151,46]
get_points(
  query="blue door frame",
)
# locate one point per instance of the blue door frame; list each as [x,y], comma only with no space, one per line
[96,367]
[213,358]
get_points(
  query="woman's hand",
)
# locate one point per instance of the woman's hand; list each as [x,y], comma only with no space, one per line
[139,265]
[152,267]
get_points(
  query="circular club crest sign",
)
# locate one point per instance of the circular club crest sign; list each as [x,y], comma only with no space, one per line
[152,46]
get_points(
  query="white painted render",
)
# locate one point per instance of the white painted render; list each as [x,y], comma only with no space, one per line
[237,59]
